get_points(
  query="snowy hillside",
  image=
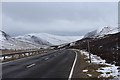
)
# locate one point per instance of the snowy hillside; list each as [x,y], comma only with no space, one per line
[35,40]
[49,38]
[107,30]
[101,32]
[91,34]
[11,43]
[107,47]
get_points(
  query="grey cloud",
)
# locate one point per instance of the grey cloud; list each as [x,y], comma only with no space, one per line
[50,11]
[67,16]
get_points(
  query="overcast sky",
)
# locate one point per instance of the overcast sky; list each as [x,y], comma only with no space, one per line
[57,18]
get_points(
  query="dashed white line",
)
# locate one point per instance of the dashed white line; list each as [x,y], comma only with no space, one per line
[30,65]
[71,72]
[46,58]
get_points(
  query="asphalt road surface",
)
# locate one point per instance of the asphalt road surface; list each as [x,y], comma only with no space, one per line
[57,64]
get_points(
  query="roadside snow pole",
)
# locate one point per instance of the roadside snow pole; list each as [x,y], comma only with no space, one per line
[117,47]
[89,50]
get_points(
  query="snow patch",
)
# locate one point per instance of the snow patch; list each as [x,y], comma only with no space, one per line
[85,70]
[109,71]
[89,75]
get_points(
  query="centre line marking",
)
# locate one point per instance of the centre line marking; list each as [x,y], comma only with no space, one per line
[30,65]
[71,72]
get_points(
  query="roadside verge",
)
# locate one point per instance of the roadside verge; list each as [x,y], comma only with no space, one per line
[97,69]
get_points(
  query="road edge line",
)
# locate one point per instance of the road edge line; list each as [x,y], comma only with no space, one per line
[71,72]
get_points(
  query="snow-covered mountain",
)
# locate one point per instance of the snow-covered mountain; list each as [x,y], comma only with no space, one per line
[8,42]
[91,34]
[107,30]
[33,40]
[101,32]
[49,38]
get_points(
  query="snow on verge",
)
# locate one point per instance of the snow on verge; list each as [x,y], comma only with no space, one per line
[110,71]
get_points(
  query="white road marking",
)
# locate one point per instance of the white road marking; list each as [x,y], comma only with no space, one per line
[71,72]
[46,58]
[30,65]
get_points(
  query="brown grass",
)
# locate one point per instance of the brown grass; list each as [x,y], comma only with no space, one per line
[91,67]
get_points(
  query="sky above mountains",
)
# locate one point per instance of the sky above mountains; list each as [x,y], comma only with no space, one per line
[62,18]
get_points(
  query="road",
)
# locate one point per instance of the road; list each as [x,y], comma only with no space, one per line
[58,64]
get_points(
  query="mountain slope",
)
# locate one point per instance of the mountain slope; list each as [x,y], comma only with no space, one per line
[51,39]
[33,40]
[104,43]
[101,32]
[9,42]
[107,47]
[91,34]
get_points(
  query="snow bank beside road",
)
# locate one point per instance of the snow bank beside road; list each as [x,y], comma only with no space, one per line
[109,71]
